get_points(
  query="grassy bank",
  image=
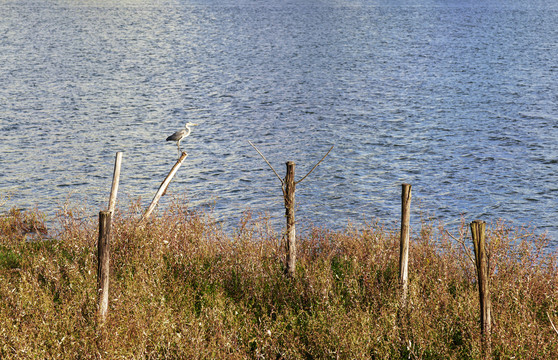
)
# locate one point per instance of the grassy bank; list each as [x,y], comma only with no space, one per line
[182,289]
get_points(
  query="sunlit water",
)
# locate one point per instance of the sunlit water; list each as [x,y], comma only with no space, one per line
[460,99]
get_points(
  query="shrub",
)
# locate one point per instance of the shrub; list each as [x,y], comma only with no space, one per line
[183,288]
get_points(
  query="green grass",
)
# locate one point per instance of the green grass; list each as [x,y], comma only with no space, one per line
[183,289]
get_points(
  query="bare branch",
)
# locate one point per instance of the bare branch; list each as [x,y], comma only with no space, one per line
[271,167]
[315,166]
[551,323]
[465,249]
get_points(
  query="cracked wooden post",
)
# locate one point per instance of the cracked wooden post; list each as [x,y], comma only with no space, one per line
[481,261]
[103,264]
[404,240]
[289,195]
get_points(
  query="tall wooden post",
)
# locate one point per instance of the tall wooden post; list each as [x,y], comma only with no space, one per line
[115,181]
[289,195]
[404,240]
[481,261]
[103,265]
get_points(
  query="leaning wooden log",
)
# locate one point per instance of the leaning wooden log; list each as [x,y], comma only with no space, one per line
[164,186]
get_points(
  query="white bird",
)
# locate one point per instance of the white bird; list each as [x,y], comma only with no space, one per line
[181,134]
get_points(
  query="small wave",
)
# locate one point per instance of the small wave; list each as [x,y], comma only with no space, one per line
[538,115]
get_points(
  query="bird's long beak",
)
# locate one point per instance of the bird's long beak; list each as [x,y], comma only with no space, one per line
[194,124]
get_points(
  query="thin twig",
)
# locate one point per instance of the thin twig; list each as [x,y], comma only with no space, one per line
[551,323]
[521,237]
[315,166]
[467,251]
[271,167]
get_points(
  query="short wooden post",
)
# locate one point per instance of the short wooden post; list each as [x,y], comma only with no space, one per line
[115,181]
[289,195]
[481,261]
[164,186]
[288,186]
[404,240]
[103,265]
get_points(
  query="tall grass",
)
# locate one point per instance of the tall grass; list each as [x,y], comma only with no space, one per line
[181,288]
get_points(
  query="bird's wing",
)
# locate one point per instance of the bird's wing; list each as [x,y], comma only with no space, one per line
[176,136]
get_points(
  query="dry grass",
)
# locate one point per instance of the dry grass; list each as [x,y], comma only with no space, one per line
[183,289]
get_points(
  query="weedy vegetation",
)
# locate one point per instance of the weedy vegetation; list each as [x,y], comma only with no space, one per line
[182,288]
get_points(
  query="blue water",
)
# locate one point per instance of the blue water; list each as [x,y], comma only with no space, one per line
[460,99]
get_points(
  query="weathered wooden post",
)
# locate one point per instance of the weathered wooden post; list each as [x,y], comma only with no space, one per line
[164,186]
[103,264]
[404,240]
[115,181]
[478,228]
[289,186]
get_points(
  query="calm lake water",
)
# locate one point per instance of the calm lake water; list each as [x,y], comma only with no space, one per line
[458,98]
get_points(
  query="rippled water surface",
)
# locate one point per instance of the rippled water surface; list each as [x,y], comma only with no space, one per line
[460,99]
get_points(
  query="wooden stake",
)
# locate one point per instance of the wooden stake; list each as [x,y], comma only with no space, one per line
[404,240]
[103,264]
[288,186]
[481,261]
[164,186]
[115,181]
[289,196]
